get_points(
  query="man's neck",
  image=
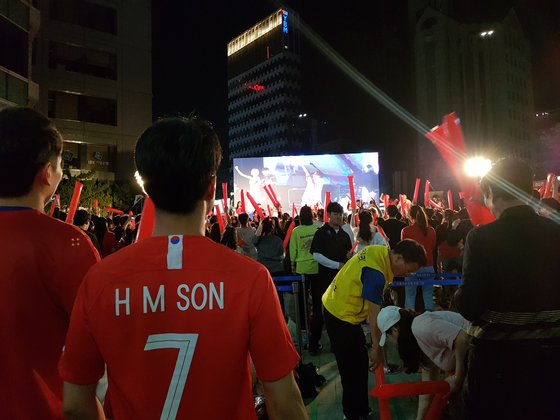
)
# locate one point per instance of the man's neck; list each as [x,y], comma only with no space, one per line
[192,223]
[501,206]
[335,227]
[30,200]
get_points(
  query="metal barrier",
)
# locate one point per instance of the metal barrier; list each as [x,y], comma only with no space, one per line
[430,279]
[384,391]
[294,288]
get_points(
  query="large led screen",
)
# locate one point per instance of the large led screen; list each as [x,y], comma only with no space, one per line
[306,179]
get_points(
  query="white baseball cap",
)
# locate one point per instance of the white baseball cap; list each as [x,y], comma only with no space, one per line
[387,317]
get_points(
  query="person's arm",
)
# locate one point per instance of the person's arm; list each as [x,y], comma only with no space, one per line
[472,297]
[460,347]
[376,354]
[259,229]
[283,399]
[373,286]
[327,262]
[241,173]
[293,249]
[353,218]
[79,402]
[431,374]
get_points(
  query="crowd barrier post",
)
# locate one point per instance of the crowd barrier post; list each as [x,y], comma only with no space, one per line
[384,392]
[295,290]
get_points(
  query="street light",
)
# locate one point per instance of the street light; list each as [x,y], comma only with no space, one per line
[484,34]
[477,166]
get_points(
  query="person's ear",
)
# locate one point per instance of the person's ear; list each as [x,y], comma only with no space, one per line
[211,190]
[45,174]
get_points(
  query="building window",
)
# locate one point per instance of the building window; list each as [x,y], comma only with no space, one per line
[13,89]
[14,48]
[83,13]
[83,60]
[17,11]
[70,106]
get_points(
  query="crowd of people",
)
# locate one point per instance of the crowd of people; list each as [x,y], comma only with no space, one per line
[178,320]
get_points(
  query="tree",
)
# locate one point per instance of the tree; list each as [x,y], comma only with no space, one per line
[119,194]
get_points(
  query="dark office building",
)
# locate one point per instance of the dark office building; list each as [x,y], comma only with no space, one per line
[264,89]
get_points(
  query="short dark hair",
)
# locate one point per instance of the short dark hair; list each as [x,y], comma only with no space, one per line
[28,140]
[243,218]
[334,207]
[392,210]
[177,158]
[411,251]
[81,217]
[514,171]
[306,215]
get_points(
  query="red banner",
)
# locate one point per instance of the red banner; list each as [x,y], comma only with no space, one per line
[148,220]
[450,199]
[352,192]
[416,191]
[255,206]
[243,202]
[427,194]
[269,193]
[53,204]
[224,195]
[548,185]
[289,234]
[115,211]
[220,220]
[74,203]
[275,201]
[327,202]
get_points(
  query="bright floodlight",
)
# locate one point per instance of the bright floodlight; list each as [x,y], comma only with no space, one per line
[140,181]
[477,167]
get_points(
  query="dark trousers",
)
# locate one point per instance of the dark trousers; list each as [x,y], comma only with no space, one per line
[318,287]
[348,344]
[513,380]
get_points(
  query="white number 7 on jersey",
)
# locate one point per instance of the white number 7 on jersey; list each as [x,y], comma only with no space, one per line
[186,344]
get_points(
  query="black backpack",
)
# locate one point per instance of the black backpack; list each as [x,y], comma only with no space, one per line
[308,380]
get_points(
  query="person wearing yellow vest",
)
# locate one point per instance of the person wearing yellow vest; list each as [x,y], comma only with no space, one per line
[356,293]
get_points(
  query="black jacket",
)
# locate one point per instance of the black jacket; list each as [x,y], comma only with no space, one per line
[511,275]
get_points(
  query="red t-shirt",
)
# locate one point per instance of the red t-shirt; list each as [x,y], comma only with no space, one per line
[109,243]
[43,263]
[428,241]
[175,319]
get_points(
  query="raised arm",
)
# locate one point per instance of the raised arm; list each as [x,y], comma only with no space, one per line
[241,173]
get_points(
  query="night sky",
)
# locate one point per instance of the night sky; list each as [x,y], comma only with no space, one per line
[189,62]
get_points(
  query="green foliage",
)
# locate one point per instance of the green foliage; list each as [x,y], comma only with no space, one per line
[117,194]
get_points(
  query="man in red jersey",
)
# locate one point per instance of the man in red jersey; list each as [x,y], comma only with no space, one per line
[175,317]
[43,263]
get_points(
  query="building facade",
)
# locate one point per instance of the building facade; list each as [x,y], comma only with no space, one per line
[19,24]
[479,67]
[92,62]
[264,89]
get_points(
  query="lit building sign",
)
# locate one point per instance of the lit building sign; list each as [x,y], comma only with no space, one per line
[256,87]
[285,21]
[280,17]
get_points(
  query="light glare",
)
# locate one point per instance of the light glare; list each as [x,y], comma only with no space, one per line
[477,166]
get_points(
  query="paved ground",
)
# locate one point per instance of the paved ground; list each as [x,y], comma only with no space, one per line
[328,404]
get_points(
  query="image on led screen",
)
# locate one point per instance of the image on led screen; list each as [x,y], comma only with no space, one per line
[305,179]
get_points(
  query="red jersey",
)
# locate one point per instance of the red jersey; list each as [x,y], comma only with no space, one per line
[43,263]
[175,320]
[109,243]
[427,241]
